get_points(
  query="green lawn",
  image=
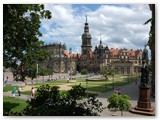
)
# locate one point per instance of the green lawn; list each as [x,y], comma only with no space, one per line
[97,89]
[13,105]
[119,80]
[26,92]
[10,88]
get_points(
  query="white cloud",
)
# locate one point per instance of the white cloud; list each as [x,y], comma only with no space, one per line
[120,26]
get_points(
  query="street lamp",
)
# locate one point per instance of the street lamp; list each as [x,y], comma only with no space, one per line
[113,80]
[36,72]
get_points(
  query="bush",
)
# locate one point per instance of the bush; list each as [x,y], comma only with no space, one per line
[119,101]
[84,71]
[49,102]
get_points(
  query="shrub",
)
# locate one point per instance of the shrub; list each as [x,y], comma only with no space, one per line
[119,101]
[49,102]
[84,71]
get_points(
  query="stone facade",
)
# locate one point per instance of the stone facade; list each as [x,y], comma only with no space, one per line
[102,57]
[57,60]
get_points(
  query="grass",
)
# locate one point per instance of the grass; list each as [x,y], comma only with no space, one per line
[13,105]
[96,88]
[29,92]
[26,92]
[10,88]
[119,80]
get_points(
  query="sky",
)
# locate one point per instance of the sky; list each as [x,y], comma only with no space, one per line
[119,25]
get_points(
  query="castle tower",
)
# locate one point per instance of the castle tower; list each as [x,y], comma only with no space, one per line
[70,50]
[86,40]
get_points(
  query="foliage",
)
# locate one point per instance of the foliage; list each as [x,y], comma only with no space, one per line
[21,45]
[64,46]
[149,67]
[113,101]
[44,71]
[49,102]
[151,43]
[106,72]
[119,101]
[10,88]
[84,71]
[31,72]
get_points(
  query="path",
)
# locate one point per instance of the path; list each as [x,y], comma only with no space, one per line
[130,89]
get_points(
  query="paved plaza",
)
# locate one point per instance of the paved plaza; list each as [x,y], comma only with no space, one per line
[129,89]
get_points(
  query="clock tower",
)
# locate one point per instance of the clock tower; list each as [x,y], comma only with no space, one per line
[86,40]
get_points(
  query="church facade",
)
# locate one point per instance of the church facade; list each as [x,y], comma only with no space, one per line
[123,61]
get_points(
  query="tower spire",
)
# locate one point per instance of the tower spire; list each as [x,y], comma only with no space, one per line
[86,18]
[100,39]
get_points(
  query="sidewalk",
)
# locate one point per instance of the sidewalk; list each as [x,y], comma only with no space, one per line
[130,89]
[23,97]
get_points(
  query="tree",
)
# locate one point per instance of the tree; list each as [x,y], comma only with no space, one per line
[124,104]
[119,101]
[42,72]
[49,102]
[21,45]
[84,71]
[31,72]
[64,46]
[151,43]
[106,72]
[113,101]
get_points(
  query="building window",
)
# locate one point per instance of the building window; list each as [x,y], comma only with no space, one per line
[116,70]
[122,70]
[128,70]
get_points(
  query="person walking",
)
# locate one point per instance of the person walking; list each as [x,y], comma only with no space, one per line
[116,91]
[14,92]
[19,91]
[119,92]
[32,92]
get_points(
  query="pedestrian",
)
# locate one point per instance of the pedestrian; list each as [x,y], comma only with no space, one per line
[116,91]
[32,92]
[67,80]
[19,91]
[6,80]
[26,83]
[136,80]
[14,92]
[119,92]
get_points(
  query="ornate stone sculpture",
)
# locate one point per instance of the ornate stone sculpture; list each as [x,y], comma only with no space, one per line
[144,74]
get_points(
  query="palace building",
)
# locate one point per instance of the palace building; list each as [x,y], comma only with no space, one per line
[123,61]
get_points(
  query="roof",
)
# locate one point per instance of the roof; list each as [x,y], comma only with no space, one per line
[70,55]
[116,52]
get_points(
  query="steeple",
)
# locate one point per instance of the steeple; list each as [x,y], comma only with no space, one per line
[86,27]
[70,50]
[86,39]
[100,40]
[86,18]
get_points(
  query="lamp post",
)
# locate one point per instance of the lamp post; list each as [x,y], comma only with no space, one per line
[113,80]
[36,72]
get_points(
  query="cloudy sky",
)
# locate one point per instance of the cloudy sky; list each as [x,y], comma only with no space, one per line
[120,26]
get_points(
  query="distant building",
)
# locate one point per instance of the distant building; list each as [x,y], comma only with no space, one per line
[56,61]
[123,61]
